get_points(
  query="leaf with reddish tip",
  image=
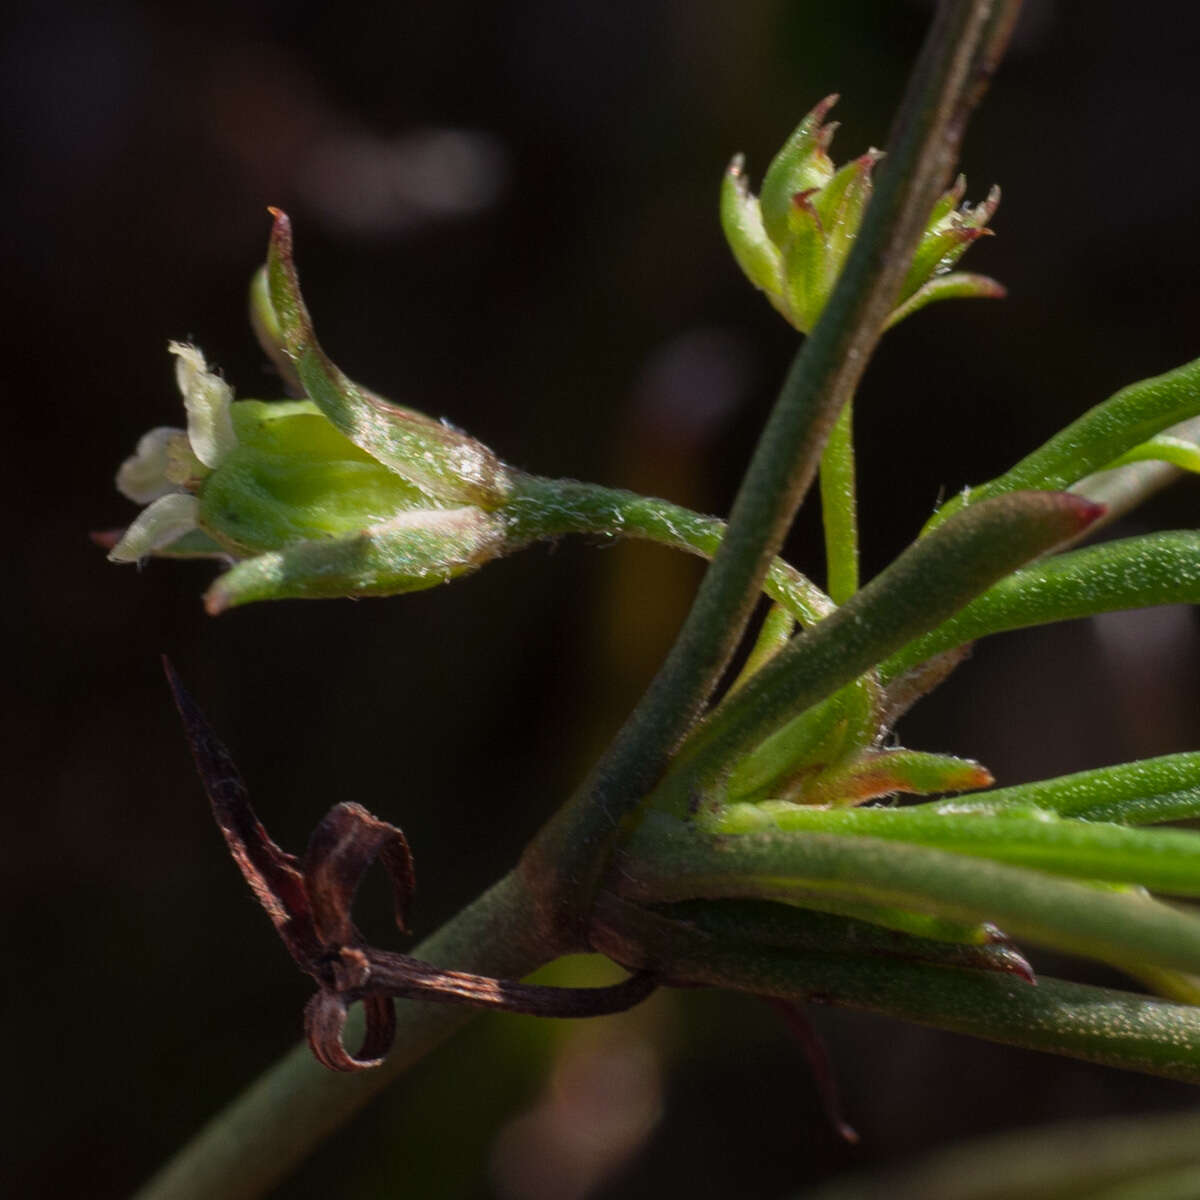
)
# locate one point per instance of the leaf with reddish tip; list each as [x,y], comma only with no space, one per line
[884,772]
[1137,793]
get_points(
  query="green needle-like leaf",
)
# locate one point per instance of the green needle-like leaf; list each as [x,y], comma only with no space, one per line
[1165,860]
[671,860]
[1136,793]
[1163,448]
[1158,568]
[1100,1025]
[1135,414]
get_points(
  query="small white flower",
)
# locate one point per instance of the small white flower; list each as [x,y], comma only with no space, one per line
[166,459]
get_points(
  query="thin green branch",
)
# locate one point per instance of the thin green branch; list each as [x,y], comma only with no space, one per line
[549,508]
[960,51]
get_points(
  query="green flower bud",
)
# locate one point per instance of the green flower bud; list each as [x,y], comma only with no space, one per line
[337,494]
[792,240]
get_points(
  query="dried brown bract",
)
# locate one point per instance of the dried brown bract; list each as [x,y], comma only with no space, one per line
[309,901]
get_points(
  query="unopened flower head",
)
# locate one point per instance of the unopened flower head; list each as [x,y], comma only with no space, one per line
[793,238]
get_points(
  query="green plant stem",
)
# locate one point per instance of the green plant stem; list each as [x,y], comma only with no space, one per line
[839,508]
[264,1133]
[1118,1029]
[964,42]
[549,508]
[667,860]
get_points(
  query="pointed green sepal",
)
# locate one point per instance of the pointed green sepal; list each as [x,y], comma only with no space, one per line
[411,552]
[448,465]
[741,221]
[801,164]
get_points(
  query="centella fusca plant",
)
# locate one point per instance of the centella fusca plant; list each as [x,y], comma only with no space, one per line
[766,853]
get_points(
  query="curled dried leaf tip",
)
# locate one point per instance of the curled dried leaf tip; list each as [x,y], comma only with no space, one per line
[309,901]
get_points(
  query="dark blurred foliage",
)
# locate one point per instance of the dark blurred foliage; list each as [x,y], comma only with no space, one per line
[506,214]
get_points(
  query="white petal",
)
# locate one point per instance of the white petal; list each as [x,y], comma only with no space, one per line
[143,476]
[207,398]
[166,520]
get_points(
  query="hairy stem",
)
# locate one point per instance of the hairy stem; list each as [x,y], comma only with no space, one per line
[959,54]
[547,508]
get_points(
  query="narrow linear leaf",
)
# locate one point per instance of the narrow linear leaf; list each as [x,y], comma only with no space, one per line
[762,922]
[1137,572]
[1165,860]
[1136,793]
[432,455]
[1163,448]
[668,860]
[1118,1029]
[1135,414]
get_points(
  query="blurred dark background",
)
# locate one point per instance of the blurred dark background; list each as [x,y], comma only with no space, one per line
[506,215]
